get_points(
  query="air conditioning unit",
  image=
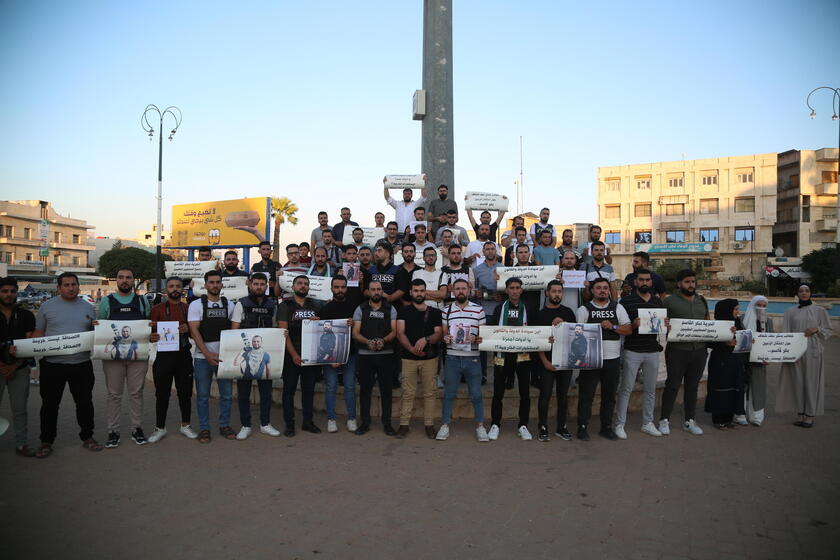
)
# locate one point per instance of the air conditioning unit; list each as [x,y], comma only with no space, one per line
[737,245]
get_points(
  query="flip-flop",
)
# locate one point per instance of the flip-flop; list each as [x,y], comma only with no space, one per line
[92,445]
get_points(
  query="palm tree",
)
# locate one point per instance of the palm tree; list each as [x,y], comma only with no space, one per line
[282,210]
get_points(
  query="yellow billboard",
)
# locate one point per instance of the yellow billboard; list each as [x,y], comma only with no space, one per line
[223,223]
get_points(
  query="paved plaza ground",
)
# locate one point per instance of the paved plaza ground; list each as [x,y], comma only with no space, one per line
[769,492]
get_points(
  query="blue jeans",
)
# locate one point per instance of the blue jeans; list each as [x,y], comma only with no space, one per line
[470,368]
[203,373]
[348,375]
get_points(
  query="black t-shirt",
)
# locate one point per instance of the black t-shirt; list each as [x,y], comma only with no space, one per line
[546,317]
[644,343]
[494,231]
[339,310]
[21,322]
[417,325]
[269,268]
[294,314]
[403,282]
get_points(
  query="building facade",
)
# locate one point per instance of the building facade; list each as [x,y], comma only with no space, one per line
[726,204]
[806,207]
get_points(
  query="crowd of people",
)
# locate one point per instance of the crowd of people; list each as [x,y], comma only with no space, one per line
[416,322]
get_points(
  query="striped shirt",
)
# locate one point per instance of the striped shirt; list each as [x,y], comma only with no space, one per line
[472,316]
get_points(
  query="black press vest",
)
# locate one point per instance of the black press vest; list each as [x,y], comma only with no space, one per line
[257,315]
[376,323]
[214,320]
[596,315]
[125,311]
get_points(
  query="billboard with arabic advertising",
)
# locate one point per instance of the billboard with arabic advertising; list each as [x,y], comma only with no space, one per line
[223,223]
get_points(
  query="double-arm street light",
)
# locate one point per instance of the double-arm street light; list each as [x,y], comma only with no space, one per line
[835,110]
[175,114]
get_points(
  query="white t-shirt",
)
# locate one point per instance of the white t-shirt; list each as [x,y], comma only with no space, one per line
[509,233]
[612,348]
[196,312]
[477,248]
[404,213]
[432,280]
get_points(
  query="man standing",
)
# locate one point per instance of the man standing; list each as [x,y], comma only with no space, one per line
[15,323]
[290,316]
[404,275]
[685,361]
[640,350]
[231,265]
[485,219]
[459,234]
[293,267]
[545,253]
[172,366]
[267,266]
[338,229]
[572,297]
[333,252]
[595,235]
[320,264]
[384,272]
[431,276]
[567,243]
[538,227]
[255,311]
[208,316]
[614,323]
[475,249]
[444,243]
[127,374]
[553,314]
[353,293]
[520,238]
[509,236]
[404,208]
[456,270]
[421,242]
[641,260]
[438,208]
[340,307]
[512,312]
[391,235]
[374,330]
[462,316]
[67,313]
[419,329]
[599,269]
[316,239]
[485,280]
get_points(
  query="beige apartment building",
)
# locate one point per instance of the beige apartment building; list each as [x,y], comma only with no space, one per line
[692,209]
[806,207]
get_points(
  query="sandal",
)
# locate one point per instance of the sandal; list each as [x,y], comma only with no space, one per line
[25,451]
[44,451]
[204,436]
[227,432]
[92,445]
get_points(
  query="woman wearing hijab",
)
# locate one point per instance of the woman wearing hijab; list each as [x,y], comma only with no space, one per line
[802,383]
[725,396]
[755,319]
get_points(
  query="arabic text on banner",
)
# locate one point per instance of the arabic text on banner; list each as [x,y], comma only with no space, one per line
[700,330]
[573,278]
[405,181]
[233,287]
[514,339]
[533,277]
[189,269]
[319,286]
[485,201]
[56,345]
[778,347]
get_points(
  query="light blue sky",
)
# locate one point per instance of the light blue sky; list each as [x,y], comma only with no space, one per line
[312,100]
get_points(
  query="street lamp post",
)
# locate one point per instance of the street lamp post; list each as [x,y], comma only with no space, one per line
[175,113]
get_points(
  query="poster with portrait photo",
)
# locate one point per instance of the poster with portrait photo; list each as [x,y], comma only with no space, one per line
[169,336]
[326,341]
[652,321]
[252,353]
[460,333]
[125,341]
[577,346]
[352,271]
[743,342]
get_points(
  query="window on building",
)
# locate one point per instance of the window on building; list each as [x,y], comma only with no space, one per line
[29,256]
[709,235]
[8,231]
[829,176]
[27,233]
[641,210]
[745,177]
[745,204]
[613,183]
[643,237]
[675,209]
[710,179]
[612,212]
[675,236]
[794,181]
[708,206]
[76,238]
[806,208]
[56,260]
[745,234]
[675,182]
[77,261]
[7,258]
[57,236]
[613,238]
[643,184]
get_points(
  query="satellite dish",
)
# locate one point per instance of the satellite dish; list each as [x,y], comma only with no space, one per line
[779,252]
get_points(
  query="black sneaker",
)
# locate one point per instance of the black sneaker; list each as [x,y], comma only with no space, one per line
[582,434]
[289,431]
[609,434]
[113,440]
[310,427]
[544,434]
[138,436]
[362,429]
[564,434]
[389,430]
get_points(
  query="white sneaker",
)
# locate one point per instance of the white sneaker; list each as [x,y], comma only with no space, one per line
[741,420]
[188,431]
[692,427]
[443,433]
[665,427]
[157,435]
[352,426]
[243,433]
[524,434]
[619,431]
[481,433]
[332,426]
[269,430]
[493,434]
[757,417]
[650,429]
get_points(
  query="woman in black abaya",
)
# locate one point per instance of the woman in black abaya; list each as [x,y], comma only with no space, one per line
[725,387]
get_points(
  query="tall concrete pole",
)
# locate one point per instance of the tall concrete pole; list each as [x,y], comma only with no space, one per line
[438,152]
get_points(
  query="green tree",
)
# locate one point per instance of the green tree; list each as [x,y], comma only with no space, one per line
[282,210]
[820,264]
[142,262]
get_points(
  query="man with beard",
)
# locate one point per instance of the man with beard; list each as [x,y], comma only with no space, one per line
[204,254]
[437,209]
[316,239]
[326,343]
[685,361]
[485,220]
[358,239]
[520,237]
[231,265]
[338,229]
[404,275]
[598,269]
[615,323]
[419,329]
[320,264]
[290,316]
[384,272]
[475,249]
[444,243]
[208,316]
[553,314]
[404,209]
[365,258]
[509,236]
[456,270]
[572,297]
[641,260]
[172,366]
[543,225]
[512,312]
[430,275]
[595,236]
[124,373]
[567,244]
[255,311]
[640,350]
[578,349]
[267,266]
[340,307]
[354,293]
[459,234]
[374,330]
[332,250]
[15,323]
[293,267]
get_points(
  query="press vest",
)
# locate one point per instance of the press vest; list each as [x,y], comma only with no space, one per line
[596,315]
[257,315]
[376,323]
[214,320]
[125,311]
